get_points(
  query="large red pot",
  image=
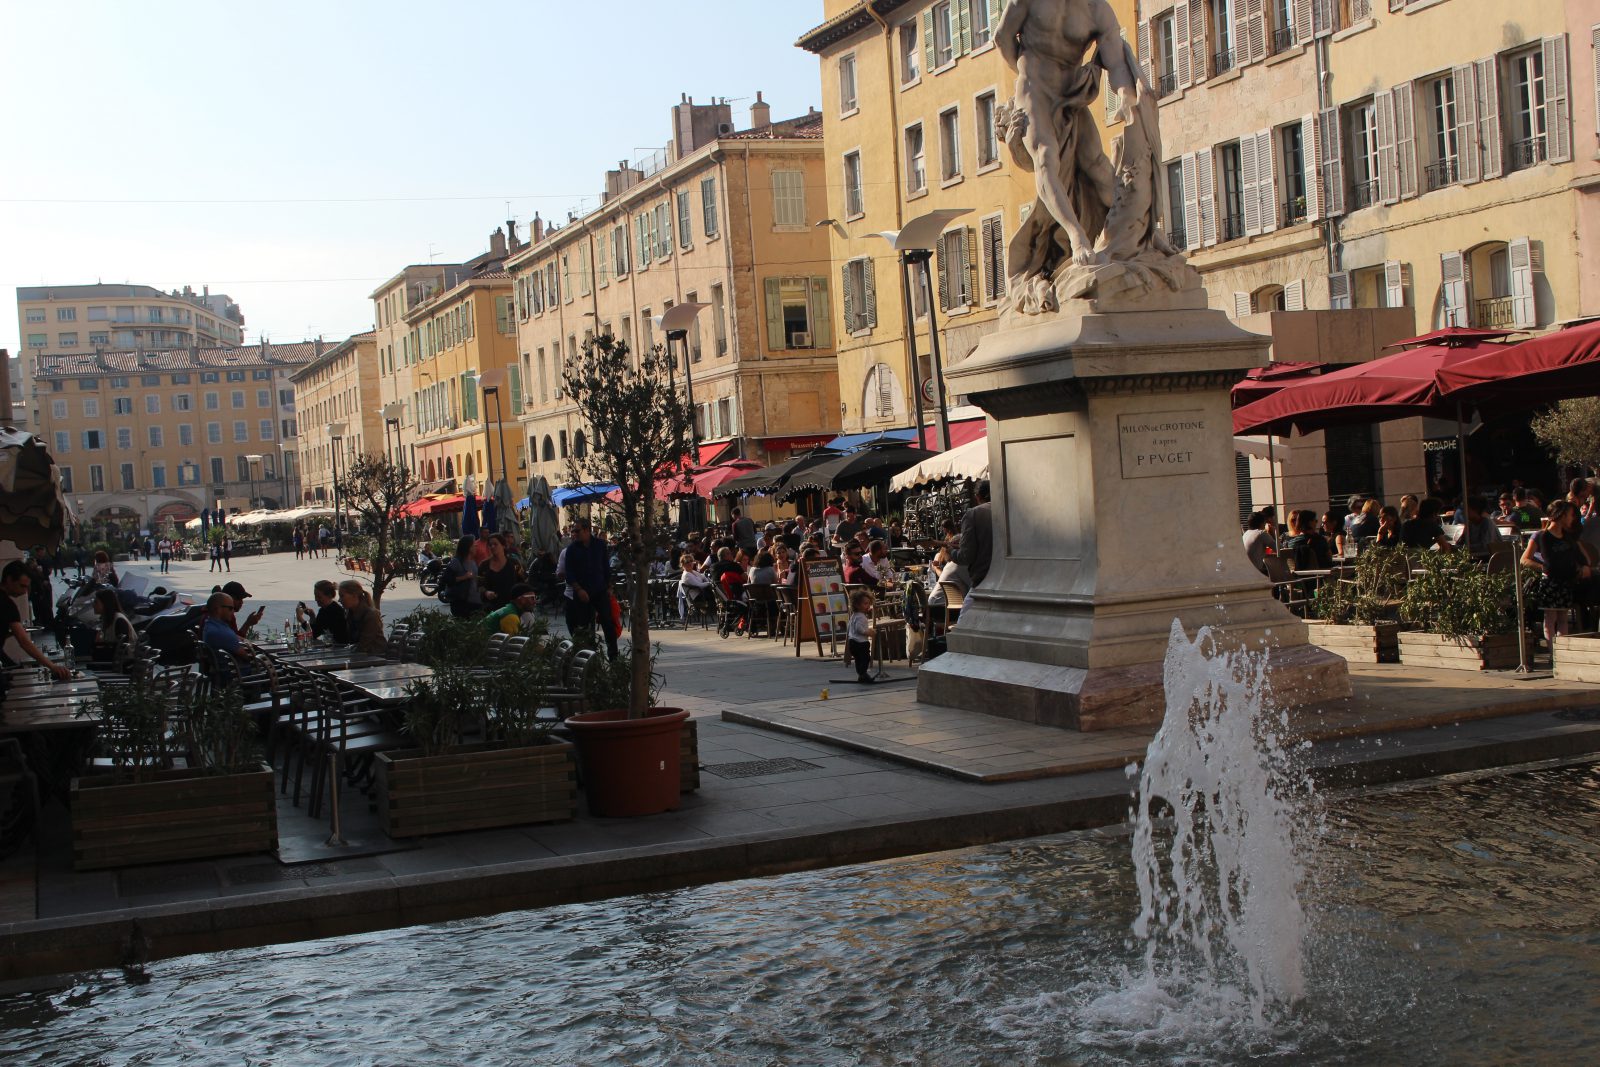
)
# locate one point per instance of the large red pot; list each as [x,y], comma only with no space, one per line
[630,766]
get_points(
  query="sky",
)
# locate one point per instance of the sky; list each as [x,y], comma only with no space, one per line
[294,154]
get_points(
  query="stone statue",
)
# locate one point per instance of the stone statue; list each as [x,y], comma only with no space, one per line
[1094,231]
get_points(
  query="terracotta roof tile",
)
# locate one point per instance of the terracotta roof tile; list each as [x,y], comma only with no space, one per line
[181,359]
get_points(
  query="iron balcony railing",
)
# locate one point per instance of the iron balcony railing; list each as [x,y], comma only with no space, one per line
[1524,154]
[1294,211]
[1232,227]
[1442,173]
[1169,84]
[1495,313]
[1363,194]
[1282,39]
[1221,62]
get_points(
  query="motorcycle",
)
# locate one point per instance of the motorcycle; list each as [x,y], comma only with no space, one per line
[163,618]
[431,576]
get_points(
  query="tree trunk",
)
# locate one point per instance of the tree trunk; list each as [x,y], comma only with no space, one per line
[639,611]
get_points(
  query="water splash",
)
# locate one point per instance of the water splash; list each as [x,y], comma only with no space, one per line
[1220,914]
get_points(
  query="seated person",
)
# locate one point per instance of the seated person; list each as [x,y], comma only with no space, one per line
[329,620]
[693,585]
[1424,531]
[15,581]
[221,636]
[1479,533]
[115,641]
[1388,528]
[764,572]
[955,574]
[729,575]
[854,572]
[237,593]
[518,613]
[366,624]
[878,565]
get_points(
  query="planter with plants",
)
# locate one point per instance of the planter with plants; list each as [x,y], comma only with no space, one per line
[144,810]
[640,422]
[1356,619]
[484,758]
[1465,616]
[1576,657]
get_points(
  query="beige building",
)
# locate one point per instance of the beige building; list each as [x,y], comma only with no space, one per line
[910,95]
[147,435]
[725,216]
[338,391]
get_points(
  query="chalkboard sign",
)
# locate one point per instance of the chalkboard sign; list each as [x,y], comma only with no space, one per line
[824,607]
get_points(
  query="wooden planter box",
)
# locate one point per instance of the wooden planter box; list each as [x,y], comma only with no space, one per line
[689,757]
[1358,642]
[1577,658]
[1492,652]
[476,787]
[173,815]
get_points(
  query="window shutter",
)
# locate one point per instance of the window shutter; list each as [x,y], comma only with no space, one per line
[1464,85]
[1180,46]
[501,323]
[885,391]
[994,260]
[963,14]
[1453,289]
[869,288]
[969,245]
[821,315]
[944,272]
[1191,202]
[1339,291]
[516,389]
[1249,175]
[1396,5]
[708,206]
[1110,100]
[1405,140]
[1388,171]
[1323,17]
[1143,37]
[1206,173]
[1332,164]
[1557,105]
[1199,58]
[1395,276]
[1258,30]
[1266,181]
[1302,22]
[1520,261]
[1594,36]
[1241,32]
[776,342]
[1311,165]
[1241,305]
[929,61]
[1294,296]
[1489,117]
[849,299]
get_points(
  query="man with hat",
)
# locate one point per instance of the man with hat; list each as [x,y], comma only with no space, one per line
[515,615]
[237,595]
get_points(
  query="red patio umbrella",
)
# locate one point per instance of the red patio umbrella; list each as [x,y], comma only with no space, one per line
[1262,382]
[706,482]
[1556,366]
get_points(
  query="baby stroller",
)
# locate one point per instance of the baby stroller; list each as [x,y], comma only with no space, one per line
[732,615]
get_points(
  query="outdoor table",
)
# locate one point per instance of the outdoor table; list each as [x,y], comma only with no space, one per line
[340,660]
[386,684]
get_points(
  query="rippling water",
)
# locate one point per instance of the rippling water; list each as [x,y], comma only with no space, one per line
[1453,923]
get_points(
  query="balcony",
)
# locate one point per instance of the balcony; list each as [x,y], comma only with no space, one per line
[1521,155]
[1442,173]
[1168,84]
[1363,194]
[1221,62]
[1495,313]
[1232,227]
[1294,211]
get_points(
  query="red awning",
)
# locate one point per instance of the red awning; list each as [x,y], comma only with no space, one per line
[1556,366]
[781,444]
[707,481]
[961,433]
[710,454]
[1262,382]
[431,505]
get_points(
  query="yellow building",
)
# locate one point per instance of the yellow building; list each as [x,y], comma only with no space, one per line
[147,435]
[337,394]
[910,92]
[722,216]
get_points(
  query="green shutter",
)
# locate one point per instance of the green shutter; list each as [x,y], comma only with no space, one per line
[516,389]
[927,42]
[963,42]
[850,324]
[821,315]
[776,341]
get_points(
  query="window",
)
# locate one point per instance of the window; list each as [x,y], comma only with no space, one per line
[66,314]
[98,314]
[854,202]
[261,376]
[156,440]
[58,409]
[124,437]
[63,442]
[124,313]
[988,135]
[241,430]
[1530,123]
[97,478]
[910,54]
[67,340]
[957,264]
[208,377]
[125,474]
[216,471]
[213,401]
[916,162]
[214,433]
[644,241]
[685,220]
[789,198]
[244,471]
[265,429]
[286,396]
[91,407]
[1164,32]
[944,37]
[719,319]
[993,252]
[88,385]
[185,434]
[158,475]
[264,398]
[236,376]
[188,474]
[236,399]
[122,405]
[183,402]
[152,404]
[847,84]
[66,479]
[99,338]
[950,144]
[34,315]
[619,254]
[38,340]
[881,394]
[663,231]
[860,296]
[1222,58]
[1232,191]
[1363,127]
[1292,150]
[149,381]
[93,441]
[983,19]
[797,314]
[708,205]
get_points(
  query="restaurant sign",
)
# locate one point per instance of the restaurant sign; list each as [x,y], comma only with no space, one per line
[1159,443]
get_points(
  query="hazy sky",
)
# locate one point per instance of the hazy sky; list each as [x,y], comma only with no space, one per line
[295,154]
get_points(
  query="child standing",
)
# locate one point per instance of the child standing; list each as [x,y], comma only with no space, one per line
[860,635]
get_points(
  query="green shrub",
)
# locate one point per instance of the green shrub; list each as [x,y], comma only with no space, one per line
[1455,596]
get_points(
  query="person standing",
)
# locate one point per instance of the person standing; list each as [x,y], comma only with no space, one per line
[744,531]
[859,641]
[165,551]
[586,568]
[15,581]
[216,554]
[1559,557]
[460,582]
[227,554]
[976,549]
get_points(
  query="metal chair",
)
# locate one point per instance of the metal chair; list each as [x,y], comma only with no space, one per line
[761,606]
[954,595]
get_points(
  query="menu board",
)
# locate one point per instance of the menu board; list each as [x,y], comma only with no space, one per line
[825,609]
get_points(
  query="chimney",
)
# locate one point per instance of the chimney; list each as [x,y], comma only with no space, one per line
[511,234]
[316,348]
[760,113]
[536,229]
[497,243]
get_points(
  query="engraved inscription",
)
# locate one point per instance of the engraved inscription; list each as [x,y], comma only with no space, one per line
[1157,444]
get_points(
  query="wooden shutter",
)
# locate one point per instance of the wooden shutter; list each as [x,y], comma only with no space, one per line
[1558,106]
[1111,100]
[1489,117]
[1323,18]
[1396,5]
[1294,296]
[962,10]
[1266,181]
[869,290]
[1594,40]
[944,271]
[776,341]
[994,258]
[1388,172]
[969,245]
[1465,86]
[1405,140]
[1339,291]
[928,61]
[1241,33]
[1331,148]
[1206,173]
[1311,160]
[1143,37]
[1395,276]
[1249,175]
[1258,30]
[821,316]
[1524,306]
[1180,46]
[708,205]
[848,287]
[1241,305]
[1453,289]
[1191,202]
[1303,24]
[885,390]
[1199,58]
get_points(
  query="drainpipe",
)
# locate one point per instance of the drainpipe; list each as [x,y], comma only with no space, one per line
[1330,224]
[761,356]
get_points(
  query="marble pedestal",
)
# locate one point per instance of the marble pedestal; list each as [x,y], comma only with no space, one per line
[1115,510]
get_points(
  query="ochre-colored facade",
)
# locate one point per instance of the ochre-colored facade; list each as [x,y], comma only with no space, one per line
[339,389]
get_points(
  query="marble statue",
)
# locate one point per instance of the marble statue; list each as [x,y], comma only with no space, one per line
[1094,232]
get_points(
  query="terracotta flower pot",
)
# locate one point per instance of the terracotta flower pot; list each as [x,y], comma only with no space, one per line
[630,766]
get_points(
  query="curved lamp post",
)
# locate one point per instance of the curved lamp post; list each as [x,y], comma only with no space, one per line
[492,381]
[675,323]
[336,432]
[393,413]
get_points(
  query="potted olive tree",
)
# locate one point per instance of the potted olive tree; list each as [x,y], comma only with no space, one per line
[376,488]
[145,810]
[1466,616]
[639,422]
[484,756]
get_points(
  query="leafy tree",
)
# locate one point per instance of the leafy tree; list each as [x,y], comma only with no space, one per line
[1571,430]
[375,488]
[639,422]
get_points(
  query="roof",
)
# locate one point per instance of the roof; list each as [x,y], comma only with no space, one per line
[331,354]
[807,127]
[846,24]
[85,292]
[181,359]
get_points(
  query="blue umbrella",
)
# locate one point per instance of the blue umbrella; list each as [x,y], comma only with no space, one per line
[469,515]
[576,494]
[489,513]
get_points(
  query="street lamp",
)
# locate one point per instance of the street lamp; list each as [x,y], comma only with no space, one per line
[914,241]
[250,462]
[336,431]
[675,324]
[492,381]
[393,412]
[283,473]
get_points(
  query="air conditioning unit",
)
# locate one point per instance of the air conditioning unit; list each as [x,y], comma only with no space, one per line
[801,340]
[724,129]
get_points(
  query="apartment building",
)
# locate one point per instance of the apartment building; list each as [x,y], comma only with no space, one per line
[722,216]
[143,436]
[911,91]
[337,397]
